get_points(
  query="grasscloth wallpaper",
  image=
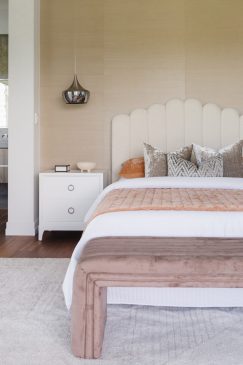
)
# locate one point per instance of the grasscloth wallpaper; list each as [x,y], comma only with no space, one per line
[132,53]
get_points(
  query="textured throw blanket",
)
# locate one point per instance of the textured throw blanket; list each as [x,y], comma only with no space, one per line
[171,199]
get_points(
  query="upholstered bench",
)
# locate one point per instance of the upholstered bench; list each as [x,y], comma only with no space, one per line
[144,262]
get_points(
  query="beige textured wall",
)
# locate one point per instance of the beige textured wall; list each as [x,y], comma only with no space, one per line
[214,51]
[132,53]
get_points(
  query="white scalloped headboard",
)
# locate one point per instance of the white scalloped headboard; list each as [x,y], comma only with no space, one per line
[171,126]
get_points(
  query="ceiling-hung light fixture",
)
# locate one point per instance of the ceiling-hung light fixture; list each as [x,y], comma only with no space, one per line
[75,94]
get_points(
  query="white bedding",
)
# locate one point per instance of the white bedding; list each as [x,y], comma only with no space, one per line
[164,223]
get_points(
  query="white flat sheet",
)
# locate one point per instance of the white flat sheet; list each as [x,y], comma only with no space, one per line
[162,224]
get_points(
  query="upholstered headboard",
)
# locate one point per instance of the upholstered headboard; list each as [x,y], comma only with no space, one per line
[173,125]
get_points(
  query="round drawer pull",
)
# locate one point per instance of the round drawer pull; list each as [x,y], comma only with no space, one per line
[70,210]
[71,187]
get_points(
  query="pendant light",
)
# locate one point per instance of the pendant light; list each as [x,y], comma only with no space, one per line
[76,93]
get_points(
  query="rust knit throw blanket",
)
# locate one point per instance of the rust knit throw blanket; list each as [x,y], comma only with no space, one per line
[171,199]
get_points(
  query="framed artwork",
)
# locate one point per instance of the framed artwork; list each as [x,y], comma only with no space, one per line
[3,56]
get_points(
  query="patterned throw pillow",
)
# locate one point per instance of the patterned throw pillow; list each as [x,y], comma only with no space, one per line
[232,157]
[156,160]
[177,166]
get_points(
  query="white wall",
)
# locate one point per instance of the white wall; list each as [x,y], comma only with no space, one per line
[3,16]
[23,105]
[3,30]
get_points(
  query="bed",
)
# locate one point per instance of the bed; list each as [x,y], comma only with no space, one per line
[169,126]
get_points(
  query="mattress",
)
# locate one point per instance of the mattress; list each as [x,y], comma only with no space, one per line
[164,224]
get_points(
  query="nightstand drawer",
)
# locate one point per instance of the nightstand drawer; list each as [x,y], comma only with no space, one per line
[66,211]
[70,187]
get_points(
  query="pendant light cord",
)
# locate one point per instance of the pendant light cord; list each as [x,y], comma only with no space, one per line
[75,38]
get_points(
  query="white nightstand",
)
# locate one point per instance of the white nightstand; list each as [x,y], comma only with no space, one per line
[65,197]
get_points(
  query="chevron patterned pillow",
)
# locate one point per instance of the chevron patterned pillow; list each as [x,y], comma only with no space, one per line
[178,166]
[232,156]
[156,160]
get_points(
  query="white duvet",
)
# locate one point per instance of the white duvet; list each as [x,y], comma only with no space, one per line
[164,223]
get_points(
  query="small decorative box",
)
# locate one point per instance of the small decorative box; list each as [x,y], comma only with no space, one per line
[62,168]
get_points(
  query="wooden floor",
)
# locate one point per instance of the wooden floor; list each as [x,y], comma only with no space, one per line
[54,244]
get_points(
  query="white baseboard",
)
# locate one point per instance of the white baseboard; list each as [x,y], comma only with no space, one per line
[21,228]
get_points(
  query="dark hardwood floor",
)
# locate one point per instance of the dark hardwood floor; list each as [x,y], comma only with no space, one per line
[54,244]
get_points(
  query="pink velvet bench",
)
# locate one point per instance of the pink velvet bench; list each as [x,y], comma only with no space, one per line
[144,262]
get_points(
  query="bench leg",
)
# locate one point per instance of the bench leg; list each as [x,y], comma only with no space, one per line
[96,304]
[78,313]
[100,315]
[88,317]
[89,330]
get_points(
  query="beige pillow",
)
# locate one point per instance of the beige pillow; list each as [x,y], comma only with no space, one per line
[156,161]
[232,157]
[132,168]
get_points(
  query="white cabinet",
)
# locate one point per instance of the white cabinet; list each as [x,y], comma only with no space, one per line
[64,199]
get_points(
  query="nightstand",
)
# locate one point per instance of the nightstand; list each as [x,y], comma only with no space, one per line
[65,197]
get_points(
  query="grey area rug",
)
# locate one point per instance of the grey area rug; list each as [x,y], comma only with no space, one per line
[34,325]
